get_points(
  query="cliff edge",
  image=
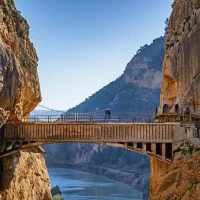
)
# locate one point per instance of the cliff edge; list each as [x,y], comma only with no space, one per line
[23,175]
[181,66]
[181,84]
[19,83]
[181,179]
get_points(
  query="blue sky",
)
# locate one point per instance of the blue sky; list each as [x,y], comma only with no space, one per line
[83,45]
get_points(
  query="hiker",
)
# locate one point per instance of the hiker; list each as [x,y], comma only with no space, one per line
[187,109]
[109,112]
[165,107]
[156,111]
[106,113]
[176,107]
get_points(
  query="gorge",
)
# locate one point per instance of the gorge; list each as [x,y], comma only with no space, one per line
[20,88]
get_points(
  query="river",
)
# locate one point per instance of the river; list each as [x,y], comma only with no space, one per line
[79,185]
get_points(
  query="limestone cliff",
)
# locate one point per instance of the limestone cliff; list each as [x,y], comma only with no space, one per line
[181,67]
[24,176]
[19,84]
[181,83]
[180,180]
[144,69]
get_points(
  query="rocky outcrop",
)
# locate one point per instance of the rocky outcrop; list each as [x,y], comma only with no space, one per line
[181,83]
[19,84]
[4,115]
[24,176]
[158,169]
[180,180]
[181,67]
[144,69]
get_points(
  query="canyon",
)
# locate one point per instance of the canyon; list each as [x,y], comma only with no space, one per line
[24,175]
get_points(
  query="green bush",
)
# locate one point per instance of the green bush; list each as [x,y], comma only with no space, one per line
[177,150]
[58,197]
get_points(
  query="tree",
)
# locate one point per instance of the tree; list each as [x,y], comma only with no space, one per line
[166,24]
[55,191]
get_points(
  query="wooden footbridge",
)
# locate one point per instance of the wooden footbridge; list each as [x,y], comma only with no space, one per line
[153,139]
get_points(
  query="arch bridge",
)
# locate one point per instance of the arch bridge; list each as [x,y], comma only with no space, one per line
[152,139]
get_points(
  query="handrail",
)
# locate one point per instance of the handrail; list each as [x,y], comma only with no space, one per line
[100,118]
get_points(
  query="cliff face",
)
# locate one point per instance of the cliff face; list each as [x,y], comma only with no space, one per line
[24,176]
[158,169]
[19,84]
[181,67]
[181,83]
[144,69]
[180,180]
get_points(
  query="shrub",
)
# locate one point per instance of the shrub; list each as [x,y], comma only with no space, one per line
[55,191]
[58,197]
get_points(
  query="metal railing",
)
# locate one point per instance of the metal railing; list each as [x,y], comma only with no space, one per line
[93,117]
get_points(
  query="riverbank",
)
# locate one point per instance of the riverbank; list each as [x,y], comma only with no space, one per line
[138,180]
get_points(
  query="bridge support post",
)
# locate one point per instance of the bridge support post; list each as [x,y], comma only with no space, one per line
[163,150]
[153,147]
[145,146]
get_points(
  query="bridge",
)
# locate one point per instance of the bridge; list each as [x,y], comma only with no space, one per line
[152,139]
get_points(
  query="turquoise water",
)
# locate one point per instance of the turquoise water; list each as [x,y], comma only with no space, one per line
[78,185]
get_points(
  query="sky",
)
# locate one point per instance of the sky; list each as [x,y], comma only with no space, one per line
[83,45]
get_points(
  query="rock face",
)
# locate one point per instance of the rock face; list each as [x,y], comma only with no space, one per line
[181,83]
[181,180]
[181,67]
[19,84]
[144,68]
[24,176]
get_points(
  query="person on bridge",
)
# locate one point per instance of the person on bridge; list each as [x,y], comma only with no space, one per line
[165,108]
[106,113]
[109,112]
[156,111]
[187,109]
[176,108]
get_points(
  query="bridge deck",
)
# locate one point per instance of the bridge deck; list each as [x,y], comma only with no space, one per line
[152,139]
[107,132]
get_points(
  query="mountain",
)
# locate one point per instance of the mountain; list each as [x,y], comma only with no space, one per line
[137,89]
